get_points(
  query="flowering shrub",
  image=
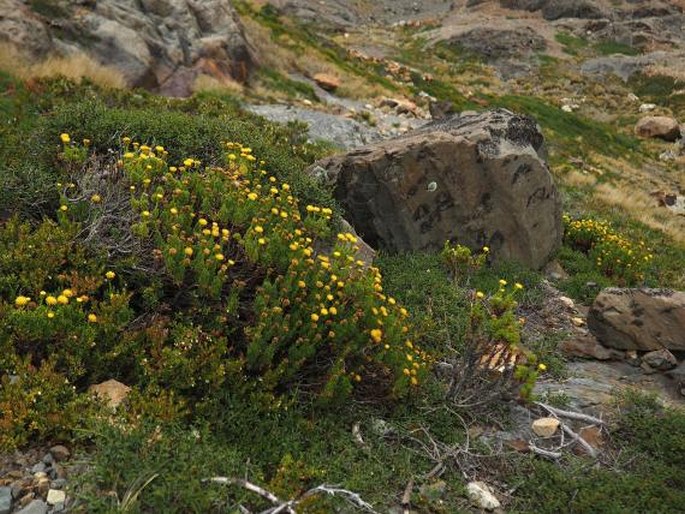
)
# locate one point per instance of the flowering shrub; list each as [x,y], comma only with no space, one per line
[460,261]
[211,277]
[612,254]
[492,361]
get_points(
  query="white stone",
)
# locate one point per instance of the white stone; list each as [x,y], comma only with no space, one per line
[56,496]
[481,496]
[568,302]
[647,107]
[545,427]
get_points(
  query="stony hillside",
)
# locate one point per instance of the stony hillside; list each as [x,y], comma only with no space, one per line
[342,256]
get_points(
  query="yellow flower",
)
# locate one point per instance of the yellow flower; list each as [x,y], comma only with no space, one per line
[20,301]
[92,318]
[202,222]
[110,275]
[376,335]
[324,311]
[188,163]
[486,249]
[65,138]
[502,282]
[252,196]
[219,257]
[63,208]
[480,295]
[518,285]
[261,241]
[542,367]
[301,284]
[406,371]
[314,317]
[188,251]
[145,214]
[68,293]
[333,311]
[51,315]
[173,210]
[258,229]
[62,299]
[51,300]
[96,198]
[414,381]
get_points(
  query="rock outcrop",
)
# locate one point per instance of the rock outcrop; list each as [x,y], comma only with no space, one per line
[162,45]
[639,319]
[479,179]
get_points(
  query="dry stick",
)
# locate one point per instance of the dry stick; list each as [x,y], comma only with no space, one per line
[544,453]
[249,486]
[579,439]
[406,497]
[350,496]
[571,415]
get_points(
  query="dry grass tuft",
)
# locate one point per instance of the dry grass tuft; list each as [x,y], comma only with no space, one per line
[208,83]
[74,66]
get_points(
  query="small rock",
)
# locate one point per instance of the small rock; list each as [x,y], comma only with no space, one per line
[545,427]
[587,347]
[5,500]
[58,483]
[647,107]
[327,81]
[35,507]
[56,496]
[482,496]
[113,391]
[579,322]
[59,471]
[26,499]
[646,368]
[661,360]
[632,97]
[60,452]
[38,468]
[567,302]
[661,127]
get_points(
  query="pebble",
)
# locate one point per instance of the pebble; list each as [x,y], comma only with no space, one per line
[56,496]
[38,468]
[481,496]
[5,500]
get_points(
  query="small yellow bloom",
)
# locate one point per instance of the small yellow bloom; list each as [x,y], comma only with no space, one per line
[68,293]
[314,317]
[51,315]
[62,299]
[188,163]
[502,282]
[65,138]
[333,311]
[92,318]
[96,198]
[173,210]
[203,222]
[188,251]
[376,335]
[20,301]
[219,256]
[480,295]
[486,249]
[414,381]
[261,241]
[542,367]
[301,284]
[252,196]
[51,300]
[145,214]
[258,229]
[324,311]
[518,286]
[64,208]
[110,275]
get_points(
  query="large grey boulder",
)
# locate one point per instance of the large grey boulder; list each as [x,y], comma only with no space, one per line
[479,179]
[161,45]
[639,319]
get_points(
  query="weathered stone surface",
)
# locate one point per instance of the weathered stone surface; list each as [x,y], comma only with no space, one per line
[56,496]
[481,496]
[678,374]
[478,179]
[639,319]
[661,127]
[5,500]
[112,391]
[496,43]
[60,452]
[35,507]
[158,44]
[661,360]
[556,9]
[545,427]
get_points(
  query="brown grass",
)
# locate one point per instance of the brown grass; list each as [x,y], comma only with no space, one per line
[208,83]
[74,66]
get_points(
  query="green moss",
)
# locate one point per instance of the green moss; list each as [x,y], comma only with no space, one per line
[572,44]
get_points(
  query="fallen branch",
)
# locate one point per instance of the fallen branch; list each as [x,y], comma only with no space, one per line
[406,497]
[544,453]
[579,439]
[570,415]
[289,506]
